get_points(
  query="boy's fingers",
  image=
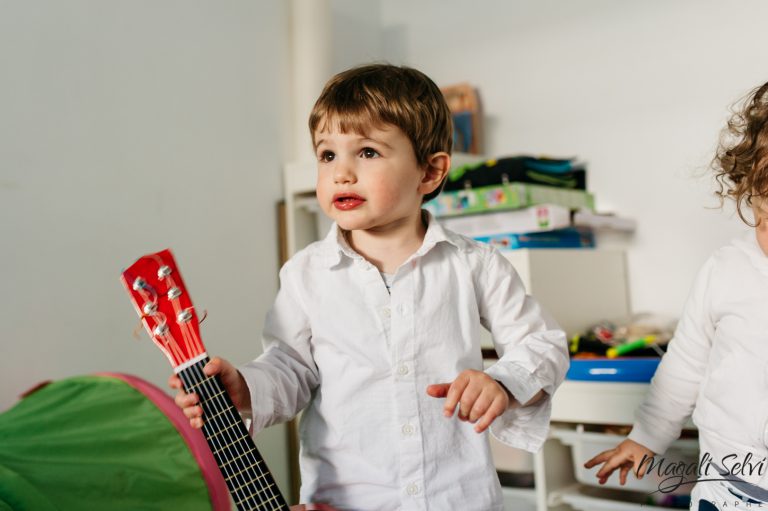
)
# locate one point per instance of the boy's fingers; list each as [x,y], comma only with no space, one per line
[612,464]
[603,456]
[623,474]
[212,367]
[454,394]
[482,403]
[438,389]
[193,412]
[184,400]
[174,382]
[468,398]
[494,410]
[640,469]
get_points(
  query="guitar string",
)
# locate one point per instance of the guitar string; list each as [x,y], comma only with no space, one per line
[160,318]
[254,462]
[188,376]
[227,471]
[190,337]
[172,283]
[262,480]
[191,343]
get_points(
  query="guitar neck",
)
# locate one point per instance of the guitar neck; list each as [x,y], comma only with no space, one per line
[249,481]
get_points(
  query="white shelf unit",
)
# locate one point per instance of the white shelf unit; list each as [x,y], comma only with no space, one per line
[578,287]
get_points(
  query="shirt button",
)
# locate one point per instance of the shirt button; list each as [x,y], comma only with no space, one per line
[408,429]
[385,312]
[412,489]
[402,370]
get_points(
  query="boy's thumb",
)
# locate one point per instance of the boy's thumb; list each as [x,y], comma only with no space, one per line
[438,390]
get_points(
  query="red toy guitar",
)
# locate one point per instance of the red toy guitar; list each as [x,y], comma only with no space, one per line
[157,291]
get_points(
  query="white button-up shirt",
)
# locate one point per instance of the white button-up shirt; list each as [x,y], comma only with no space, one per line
[358,360]
[716,366]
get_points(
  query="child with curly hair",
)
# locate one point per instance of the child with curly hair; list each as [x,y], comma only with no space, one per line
[717,363]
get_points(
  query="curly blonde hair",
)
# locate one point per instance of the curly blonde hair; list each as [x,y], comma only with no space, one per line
[741,161]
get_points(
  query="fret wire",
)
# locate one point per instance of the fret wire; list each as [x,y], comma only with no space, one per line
[211,398]
[204,390]
[232,460]
[221,443]
[189,376]
[259,485]
[206,387]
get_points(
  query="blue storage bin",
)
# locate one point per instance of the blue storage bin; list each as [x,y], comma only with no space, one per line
[624,369]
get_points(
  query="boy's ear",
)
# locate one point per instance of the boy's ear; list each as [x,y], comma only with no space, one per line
[435,170]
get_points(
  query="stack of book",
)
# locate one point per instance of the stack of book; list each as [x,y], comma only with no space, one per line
[523,202]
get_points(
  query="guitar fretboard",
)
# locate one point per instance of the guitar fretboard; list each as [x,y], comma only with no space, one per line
[249,481]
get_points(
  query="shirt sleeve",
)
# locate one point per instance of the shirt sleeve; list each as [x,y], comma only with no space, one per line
[675,386]
[282,379]
[532,350]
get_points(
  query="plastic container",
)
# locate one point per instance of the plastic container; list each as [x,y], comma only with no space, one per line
[584,498]
[627,369]
[586,445]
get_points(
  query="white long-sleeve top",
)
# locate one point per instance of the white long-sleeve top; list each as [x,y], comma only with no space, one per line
[717,364]
[360,360]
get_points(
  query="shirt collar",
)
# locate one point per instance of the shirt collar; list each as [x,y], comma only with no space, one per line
[336,247]
[748,243]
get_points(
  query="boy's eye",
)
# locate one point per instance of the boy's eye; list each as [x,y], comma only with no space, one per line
[369,153]
[327,156]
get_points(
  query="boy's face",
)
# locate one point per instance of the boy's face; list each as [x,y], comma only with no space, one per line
[368,181]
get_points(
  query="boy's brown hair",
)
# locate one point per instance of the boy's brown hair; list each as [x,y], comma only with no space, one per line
[378,94]
[741,162]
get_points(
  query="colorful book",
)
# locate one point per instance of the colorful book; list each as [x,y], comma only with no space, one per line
[505,197]
[545,217]
[561,238]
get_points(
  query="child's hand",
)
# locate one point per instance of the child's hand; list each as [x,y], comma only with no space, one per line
[625,456]
[480,398]
[231,379]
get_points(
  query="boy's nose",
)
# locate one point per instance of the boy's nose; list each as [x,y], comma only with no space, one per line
[344,173]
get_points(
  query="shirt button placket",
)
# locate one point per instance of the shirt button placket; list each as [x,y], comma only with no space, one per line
[405,379]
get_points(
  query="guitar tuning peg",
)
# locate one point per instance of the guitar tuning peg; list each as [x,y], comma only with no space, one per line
[139,284]
[150,308]
[184,316]
[160,330]
[164,271]
[174,293]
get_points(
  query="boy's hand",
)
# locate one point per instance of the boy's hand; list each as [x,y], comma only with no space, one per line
[231,379]
[480,398]
[625,456]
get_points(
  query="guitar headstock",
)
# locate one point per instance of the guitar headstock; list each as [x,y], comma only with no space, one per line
[165,308]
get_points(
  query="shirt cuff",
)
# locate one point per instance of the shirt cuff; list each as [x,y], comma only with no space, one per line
[522,427]
[261,412]
[644,437]
[520,383]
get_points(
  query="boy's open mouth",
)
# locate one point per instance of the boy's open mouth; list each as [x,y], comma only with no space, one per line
[347,201]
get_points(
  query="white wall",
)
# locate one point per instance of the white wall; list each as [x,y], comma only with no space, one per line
[638,89]
[126,128]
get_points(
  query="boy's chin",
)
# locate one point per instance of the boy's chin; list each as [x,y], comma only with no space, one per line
[349,225]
